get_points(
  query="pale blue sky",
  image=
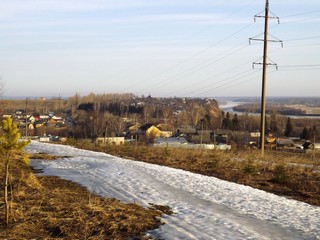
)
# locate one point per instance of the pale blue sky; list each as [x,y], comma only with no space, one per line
[159,47]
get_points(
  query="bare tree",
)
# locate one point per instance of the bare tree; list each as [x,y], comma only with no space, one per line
[2,89]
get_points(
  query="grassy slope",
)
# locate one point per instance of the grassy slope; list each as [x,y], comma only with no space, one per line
[295,176]
[49,207]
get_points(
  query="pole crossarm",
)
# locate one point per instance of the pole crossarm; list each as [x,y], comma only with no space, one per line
[272,17]
[268,64]
[269,40]
[264,16]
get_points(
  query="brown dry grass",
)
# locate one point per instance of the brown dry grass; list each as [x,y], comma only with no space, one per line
[52,208]
[291,175]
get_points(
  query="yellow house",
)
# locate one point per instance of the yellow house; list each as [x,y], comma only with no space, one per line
[152,133]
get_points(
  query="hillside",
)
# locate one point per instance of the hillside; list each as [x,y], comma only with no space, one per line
[203,207]
[47,207]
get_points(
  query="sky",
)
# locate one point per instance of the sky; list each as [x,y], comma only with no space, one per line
[203,207]
[162,48]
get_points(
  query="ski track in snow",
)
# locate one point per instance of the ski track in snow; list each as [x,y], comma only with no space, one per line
[204,207]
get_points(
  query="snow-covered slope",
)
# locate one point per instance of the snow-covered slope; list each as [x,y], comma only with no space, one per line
[204,207]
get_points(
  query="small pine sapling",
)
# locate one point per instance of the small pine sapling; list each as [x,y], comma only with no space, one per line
[9,147]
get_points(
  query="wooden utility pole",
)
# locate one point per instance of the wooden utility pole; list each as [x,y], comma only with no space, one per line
[60,106]
[26,118]
[314,146]
[264,72]
[264,78]
[105,133]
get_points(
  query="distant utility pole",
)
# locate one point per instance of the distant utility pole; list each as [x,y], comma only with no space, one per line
[26,118]
[314,147]
[59,105]
[105,133]
[264,72]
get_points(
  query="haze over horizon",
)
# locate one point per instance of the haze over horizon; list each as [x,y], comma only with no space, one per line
[162,48]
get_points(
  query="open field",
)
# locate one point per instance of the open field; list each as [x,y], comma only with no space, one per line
[9,106]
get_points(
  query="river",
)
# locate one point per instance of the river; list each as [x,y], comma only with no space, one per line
[227,104]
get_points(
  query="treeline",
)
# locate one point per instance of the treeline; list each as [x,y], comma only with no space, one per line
[99,114]
[177,112]
[116,108]
[255,108]
[275,124]
[112,114]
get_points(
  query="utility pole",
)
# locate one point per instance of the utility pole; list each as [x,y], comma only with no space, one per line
[105,133]
[264,73]
[201,136]
[264,76]
[60,106]
[26,118]
[314,145]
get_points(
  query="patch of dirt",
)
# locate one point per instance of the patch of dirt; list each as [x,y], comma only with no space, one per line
[45,156]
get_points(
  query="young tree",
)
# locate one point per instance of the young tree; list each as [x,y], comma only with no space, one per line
[9,146]
[273,123]
[289,128]
[305,134]
[226,121]
[235,123]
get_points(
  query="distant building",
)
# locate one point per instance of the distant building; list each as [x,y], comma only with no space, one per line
[111,140]
[285,143]
[19,112]
[44,139]
[255,134]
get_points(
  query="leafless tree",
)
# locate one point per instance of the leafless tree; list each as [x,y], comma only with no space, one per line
[2,89]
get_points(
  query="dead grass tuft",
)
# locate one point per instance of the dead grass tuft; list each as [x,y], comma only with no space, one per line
[161,208]
[43,156]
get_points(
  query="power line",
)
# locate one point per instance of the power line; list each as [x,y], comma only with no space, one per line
[300,14]
[191,57]
[300,20]
[208,62]
[212,77]
[299,69]
[217,75]
[191,36]
[227,84]
[233,84]
[311,66]
[299,39]
[303,45]
[200,66]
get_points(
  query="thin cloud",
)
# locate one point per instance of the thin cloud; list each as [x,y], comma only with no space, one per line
[128,20]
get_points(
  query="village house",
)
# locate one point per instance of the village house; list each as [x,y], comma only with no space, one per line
[285,143]
[110,140]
